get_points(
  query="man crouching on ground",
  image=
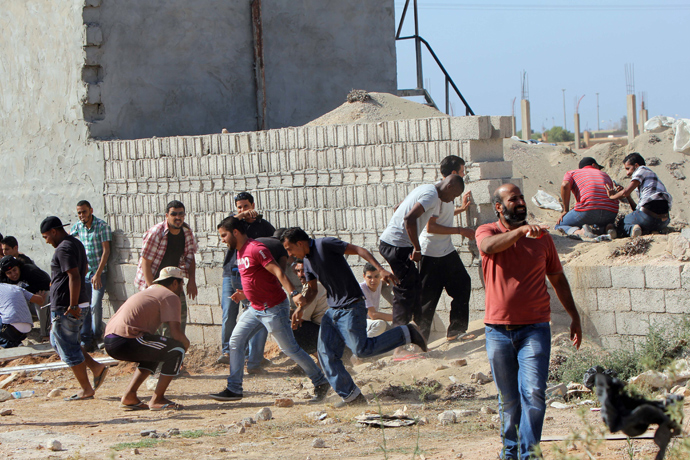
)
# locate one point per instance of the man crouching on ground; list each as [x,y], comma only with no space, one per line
[516,260]
[131,336]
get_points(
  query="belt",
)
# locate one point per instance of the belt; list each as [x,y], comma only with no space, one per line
[509,327]
[653,214]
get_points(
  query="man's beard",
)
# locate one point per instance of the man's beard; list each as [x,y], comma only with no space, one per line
[515,218]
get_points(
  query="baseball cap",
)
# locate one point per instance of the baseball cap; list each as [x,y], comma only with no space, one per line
[8,262]
[589,161]
[169,272]
[50,223]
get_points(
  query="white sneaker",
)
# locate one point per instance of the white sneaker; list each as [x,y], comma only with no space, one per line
[636,231]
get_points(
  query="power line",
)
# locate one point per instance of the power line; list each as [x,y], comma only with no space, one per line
[548,7]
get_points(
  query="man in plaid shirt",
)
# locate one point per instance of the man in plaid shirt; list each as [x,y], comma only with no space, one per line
[169,244]
[95,235]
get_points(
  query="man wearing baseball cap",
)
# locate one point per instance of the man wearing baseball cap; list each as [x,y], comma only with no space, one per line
[69,302]
[130,335]
[594,212]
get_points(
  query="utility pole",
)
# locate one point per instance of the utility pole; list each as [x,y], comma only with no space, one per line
[565,126]
[598,129]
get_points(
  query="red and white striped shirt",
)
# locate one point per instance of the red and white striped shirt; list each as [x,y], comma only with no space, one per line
[589,187]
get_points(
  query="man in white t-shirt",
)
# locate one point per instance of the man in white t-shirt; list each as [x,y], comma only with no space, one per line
[400,245]
[440,267]
[15,317]
[373,288]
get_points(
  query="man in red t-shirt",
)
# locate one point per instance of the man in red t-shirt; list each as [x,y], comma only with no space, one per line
[594,212]
[516,260]
[262,279]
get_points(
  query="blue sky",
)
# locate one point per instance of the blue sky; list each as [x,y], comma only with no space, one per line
[581,47]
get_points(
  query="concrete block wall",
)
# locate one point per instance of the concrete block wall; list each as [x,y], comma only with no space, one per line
[621,302]
[339,181]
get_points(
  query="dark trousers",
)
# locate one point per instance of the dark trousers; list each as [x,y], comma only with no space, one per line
[10,337]
[407,295]
[447,273]
[307,336]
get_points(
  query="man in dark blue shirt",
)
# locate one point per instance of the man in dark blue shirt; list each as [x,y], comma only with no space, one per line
[344,323]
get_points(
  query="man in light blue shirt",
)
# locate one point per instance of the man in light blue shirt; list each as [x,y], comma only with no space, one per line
[15,317]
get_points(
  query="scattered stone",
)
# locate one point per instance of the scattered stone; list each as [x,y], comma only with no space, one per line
[465,412]
[318,443]
[481,378]
[496,418]
[55,393]
[284,402]
[5,395]
[135,451]
[13,376]
[163,435]
[248,421]
[652,379]
[459,362]
[548,419]
[447,417]
[264,415]
[317,415]
[328,421]
[224,131]
[223,449]
[241,429]
[173,432]
[441,367]
[349,439]
[560,405]
[358,95]
[458,455]
[487,410]
[6,412]
[39,379]
[55,445]
[460,391]
[145,433]
[423,421]
[151,383]
[556,391]
[153,435]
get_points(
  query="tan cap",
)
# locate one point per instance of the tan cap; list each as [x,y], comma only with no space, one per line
[169,272]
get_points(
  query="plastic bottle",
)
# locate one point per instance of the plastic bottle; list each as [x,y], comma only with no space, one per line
[22,394]
[601,238]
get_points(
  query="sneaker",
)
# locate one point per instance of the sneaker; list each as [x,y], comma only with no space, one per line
[612,233]
[256,371]
[360,400]
[320,393]
[226,395]
[588,232]
[636,231]
[223,359]
[417,338]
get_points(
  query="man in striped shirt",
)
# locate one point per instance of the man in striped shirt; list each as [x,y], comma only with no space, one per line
[594,212]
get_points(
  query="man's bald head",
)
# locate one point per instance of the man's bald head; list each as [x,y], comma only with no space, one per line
[509,202]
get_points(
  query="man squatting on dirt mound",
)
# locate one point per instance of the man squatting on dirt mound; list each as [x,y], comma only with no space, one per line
[344,323]
[516,260]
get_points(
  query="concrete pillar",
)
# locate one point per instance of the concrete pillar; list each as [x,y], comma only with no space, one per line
[512,120]
[526,124]
[644,116]
[577,130]
[632,119]
[587,135]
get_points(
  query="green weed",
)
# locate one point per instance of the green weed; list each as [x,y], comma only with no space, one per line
[146,442]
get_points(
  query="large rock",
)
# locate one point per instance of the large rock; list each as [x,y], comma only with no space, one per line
[652,379]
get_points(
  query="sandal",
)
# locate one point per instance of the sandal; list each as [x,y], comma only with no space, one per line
[98,381]
[141,405]
[168,406]
[76,397]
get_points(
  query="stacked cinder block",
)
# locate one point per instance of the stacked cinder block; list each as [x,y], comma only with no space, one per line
[341,181]
[621,302]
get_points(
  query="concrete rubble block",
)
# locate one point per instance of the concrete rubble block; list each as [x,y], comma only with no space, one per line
[476,277]
[490,170]
[470,127]
[482,190]
[647,300]
[586,299]
[614,342]
[617,300]
[195,334]
[93,93]
[676,301]
[482,150]
[199,314]
[212,336]
[600,324]
[208,295]
[664,322]
[587,277]
[502,127]
[662,276]
[213,275]
[632,323]
[631,276]
[478,215]
[685,276]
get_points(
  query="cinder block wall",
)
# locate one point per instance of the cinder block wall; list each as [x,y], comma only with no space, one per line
[340,181]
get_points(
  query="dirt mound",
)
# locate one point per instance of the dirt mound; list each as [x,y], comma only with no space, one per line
[377,107]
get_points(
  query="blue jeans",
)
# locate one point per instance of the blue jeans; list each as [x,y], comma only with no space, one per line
[91,326]
[64,335]
[257,342]
[347,326]
[648,223]
[574,220]
[277,321]
[520,365]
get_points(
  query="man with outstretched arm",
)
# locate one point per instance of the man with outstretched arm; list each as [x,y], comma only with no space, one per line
[131,336]
[262,279]
[344,323]
[516,260]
